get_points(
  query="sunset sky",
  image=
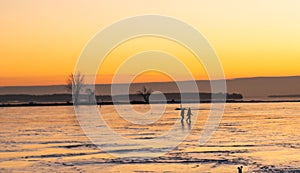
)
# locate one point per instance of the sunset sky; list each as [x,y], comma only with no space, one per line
[42,40]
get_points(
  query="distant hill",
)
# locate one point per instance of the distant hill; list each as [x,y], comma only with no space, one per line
[250,88]
[262,87]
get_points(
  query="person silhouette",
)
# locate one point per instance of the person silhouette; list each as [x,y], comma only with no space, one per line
[189,114]
[240,169]
[182,114]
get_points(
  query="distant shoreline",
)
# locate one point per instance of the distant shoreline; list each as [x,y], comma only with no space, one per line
[132,98]
[285,96]
[140,102]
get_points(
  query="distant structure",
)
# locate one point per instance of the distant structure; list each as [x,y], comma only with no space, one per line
[90,94]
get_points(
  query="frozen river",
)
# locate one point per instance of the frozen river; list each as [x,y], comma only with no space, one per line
[261,137]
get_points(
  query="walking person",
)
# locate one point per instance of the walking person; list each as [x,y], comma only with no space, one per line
[182,114]
[189,114]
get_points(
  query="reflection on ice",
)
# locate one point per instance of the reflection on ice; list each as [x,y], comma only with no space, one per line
[263,137]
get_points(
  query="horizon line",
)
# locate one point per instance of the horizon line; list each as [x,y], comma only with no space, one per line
[157,81]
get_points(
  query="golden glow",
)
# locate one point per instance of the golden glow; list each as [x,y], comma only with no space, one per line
[128,49]
[41,40]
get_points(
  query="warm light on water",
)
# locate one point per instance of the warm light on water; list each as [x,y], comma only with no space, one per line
[263,137]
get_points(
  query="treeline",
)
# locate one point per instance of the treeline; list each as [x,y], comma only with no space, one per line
[67,98]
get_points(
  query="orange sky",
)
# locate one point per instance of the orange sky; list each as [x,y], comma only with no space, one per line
[41,40]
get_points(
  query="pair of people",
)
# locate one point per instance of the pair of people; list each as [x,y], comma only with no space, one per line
[189,114]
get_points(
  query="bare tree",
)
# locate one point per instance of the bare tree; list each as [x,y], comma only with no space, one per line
[145,93]
[74,83]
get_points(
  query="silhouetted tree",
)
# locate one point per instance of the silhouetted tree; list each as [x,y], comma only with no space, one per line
[74,83]
[145,93]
